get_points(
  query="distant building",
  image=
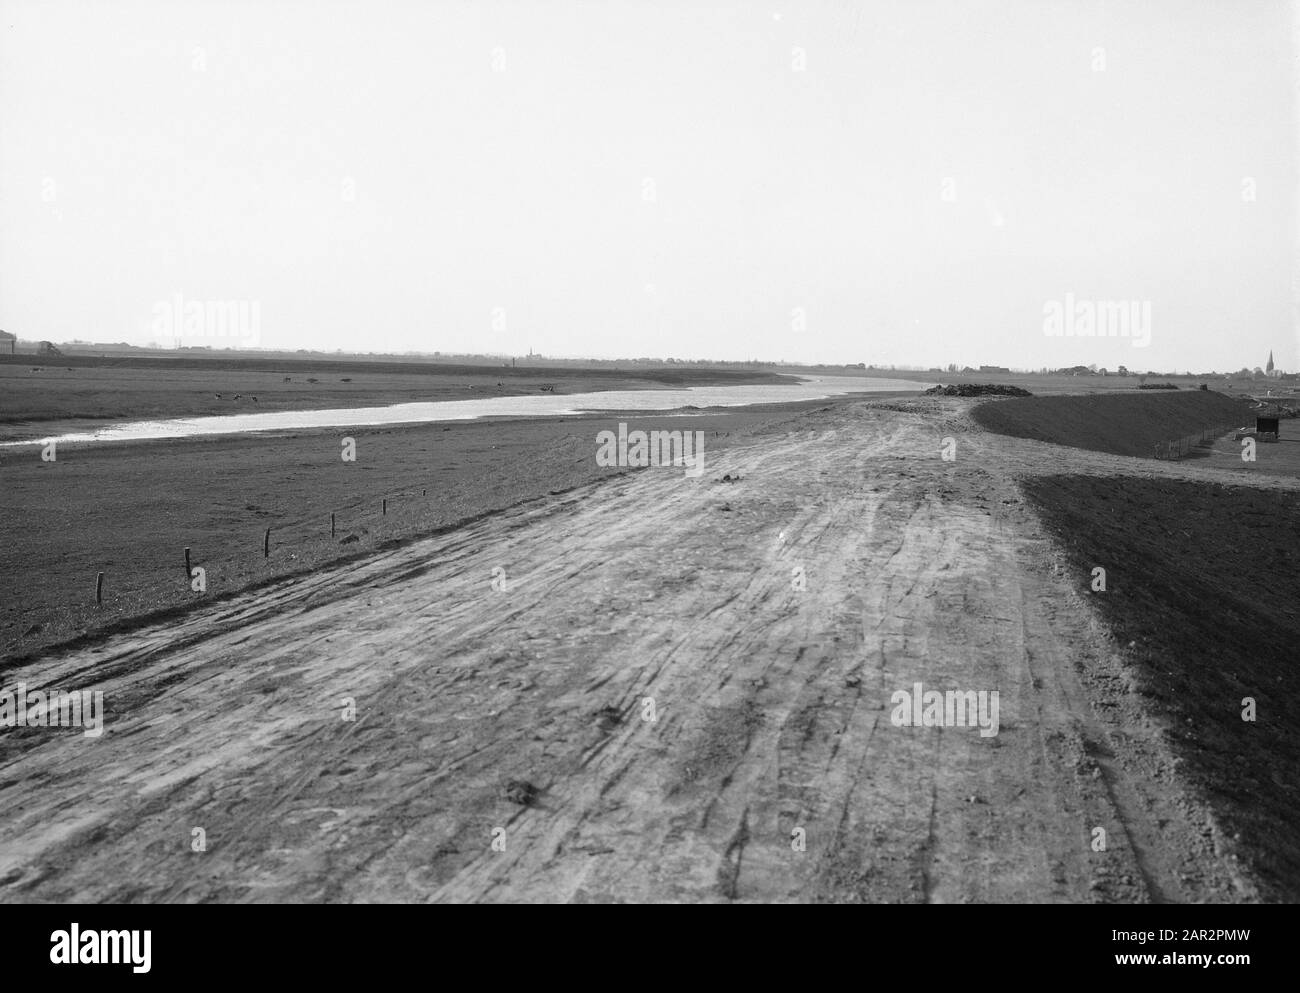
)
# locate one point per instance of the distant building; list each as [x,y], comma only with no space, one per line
[7,339]
[994,368]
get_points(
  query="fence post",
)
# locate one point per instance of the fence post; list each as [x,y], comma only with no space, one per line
[187,563]
[331,524]
[266,544]
[99,588]
[384,508]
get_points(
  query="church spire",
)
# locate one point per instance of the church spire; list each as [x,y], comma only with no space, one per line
[1269,367]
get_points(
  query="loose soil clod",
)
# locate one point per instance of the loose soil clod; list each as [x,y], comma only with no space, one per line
[522,792]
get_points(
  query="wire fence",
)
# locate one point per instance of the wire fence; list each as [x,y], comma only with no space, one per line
[1178,448]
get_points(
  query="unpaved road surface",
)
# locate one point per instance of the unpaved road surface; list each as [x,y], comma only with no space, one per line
[644,704]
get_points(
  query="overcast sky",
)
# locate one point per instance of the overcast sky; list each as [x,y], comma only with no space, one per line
[909,182]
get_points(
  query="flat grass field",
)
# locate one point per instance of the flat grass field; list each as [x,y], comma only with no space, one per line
[1041,384]
[89,389]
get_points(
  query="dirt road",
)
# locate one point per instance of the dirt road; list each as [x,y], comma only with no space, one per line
[643,705]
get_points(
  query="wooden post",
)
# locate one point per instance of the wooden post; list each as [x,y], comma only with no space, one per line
[384,509]
[99,588]
[187,564]
[424,493]
[331,524]
[266,544]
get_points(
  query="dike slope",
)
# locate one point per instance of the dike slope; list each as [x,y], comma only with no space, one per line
[1115,423]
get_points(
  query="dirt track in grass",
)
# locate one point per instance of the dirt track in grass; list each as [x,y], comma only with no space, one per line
[517,712]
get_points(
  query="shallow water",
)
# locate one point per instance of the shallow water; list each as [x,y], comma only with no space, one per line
[544,405]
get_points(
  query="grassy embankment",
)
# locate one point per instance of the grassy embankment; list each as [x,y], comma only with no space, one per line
[1118,423]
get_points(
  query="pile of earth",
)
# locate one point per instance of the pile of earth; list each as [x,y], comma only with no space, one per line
[977,390]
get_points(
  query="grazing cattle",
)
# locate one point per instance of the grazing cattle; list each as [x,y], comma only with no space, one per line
[217,395]
[254,399]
